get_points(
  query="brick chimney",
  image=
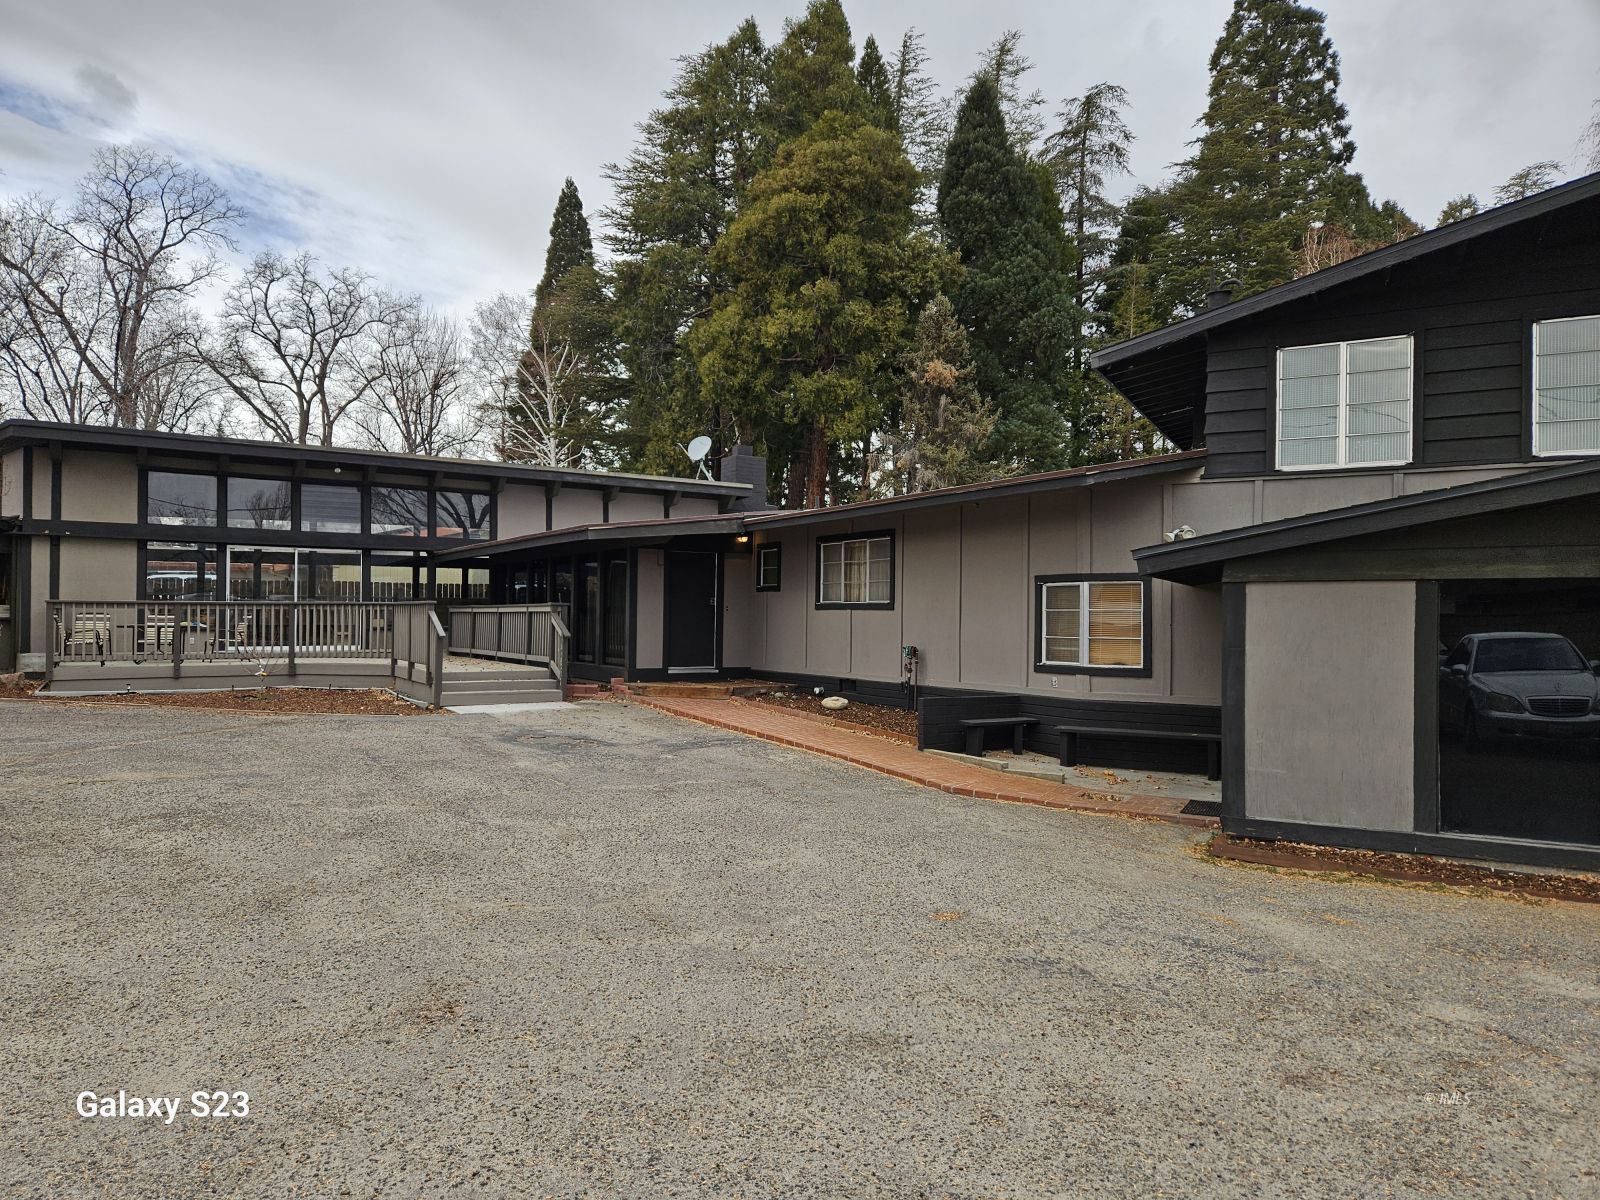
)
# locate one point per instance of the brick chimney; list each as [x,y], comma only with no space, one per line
[741,464]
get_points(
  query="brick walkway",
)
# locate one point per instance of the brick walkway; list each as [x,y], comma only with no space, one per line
[905,762]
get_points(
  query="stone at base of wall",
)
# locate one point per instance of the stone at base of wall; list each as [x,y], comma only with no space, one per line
[32,664]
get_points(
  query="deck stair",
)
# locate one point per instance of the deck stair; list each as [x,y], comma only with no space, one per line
[497,683]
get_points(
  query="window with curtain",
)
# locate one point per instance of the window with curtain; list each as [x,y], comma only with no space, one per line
[1092,623]
[1345,404]
[856,571]
[1566,386]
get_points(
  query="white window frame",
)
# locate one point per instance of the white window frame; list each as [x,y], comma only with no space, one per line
[1533,393]
[1083,586]
[1341,437]
[866,579]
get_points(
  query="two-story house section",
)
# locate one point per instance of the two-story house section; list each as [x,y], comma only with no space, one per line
[1400,504]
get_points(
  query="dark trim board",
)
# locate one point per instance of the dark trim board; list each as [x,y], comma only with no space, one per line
[1452,845]
[866,691]
[1425,734]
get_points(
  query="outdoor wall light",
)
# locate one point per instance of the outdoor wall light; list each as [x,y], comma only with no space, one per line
[742,538]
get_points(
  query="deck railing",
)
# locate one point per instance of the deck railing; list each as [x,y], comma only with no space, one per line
[264,631]
[526,633]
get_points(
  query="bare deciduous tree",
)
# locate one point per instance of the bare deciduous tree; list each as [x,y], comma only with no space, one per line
[103,287]
[543,421]
[294,344]
[499,338]
[419,401]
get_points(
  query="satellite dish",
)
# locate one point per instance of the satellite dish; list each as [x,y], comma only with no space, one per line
[698,448]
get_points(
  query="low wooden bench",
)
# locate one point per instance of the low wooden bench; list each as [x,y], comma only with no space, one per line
[1071,733]
[977,726]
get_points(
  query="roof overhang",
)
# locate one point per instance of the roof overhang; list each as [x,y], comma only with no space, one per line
[629,533]
[1201,560]
[1022,485]
[16,433]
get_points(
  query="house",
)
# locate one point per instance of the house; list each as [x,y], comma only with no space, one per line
[1372,565]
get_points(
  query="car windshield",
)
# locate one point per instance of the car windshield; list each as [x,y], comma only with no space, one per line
[1528,654]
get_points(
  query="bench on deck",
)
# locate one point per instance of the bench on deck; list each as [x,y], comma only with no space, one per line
[976,727]
[1071,733]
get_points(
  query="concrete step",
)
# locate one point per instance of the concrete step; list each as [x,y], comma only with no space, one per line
[502,696]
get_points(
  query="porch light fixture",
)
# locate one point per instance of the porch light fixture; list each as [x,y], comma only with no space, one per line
[741,538]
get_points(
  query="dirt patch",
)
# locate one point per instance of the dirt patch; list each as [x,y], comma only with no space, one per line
[1407,868]
[13,687]
[365,702]
[873,717]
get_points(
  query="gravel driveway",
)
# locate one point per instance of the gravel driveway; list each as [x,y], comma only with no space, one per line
[602,951]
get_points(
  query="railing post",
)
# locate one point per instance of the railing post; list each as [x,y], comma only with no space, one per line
[51,640]
[294,625]
[178,636]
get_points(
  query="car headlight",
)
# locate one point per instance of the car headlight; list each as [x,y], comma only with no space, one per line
[1498,702]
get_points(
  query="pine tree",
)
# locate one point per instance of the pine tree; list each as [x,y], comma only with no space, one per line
[921,116]
[943,423]
[872,73]
[1088,149]
[813,73]
[570,244]
[824,272]
[1273,159]
[676,194]
[1000,214]
[1006,65]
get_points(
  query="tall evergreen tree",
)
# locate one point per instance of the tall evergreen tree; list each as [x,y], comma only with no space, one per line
[824,272]
[921,115]
[570,244]
[676,194]
[1273,158]
[872,73]
[813,72]
[1006,65]
[1000,214]
[942,426]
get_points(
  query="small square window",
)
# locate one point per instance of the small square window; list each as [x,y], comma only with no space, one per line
[769,568]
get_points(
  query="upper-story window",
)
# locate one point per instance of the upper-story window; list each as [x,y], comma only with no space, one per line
[856,571]
[1566,386]
[258,503]
[461,515]
[400,512]
[330,508]
[180,498]
[1345,404]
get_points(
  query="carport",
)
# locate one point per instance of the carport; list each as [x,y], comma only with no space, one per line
[1359,706]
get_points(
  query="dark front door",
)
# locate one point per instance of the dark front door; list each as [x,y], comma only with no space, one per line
[691,587]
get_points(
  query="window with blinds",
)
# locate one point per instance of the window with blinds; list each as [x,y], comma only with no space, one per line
[856,571]
[1345,404]
[1566,386]
[1091,623]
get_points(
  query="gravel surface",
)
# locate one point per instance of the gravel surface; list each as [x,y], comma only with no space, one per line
[600,951]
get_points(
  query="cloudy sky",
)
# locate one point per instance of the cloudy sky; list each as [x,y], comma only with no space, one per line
[426,141]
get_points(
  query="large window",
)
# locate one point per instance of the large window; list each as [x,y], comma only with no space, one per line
[330,508]
[179,498]
[1345,404]
[1566,386]
[400,512]
[769,568]
[1092,624]
[180,571]
[395,575]
[856,571]
[462,515]
[258,503]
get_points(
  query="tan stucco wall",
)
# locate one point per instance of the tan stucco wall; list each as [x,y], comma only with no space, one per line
[578,506]
[521,510]
[693,506]
[11,484]
[1330,682]
[636,506]
[738,593]
[41,483]
[99,487]
[99,569]
[38,594]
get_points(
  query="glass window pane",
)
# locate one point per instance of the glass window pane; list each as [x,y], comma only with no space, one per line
[1116,624]
[1303,362]
[330,574]
[1380,354]
[400,512]
[462,515]
[1062,615]
[179,498]
[257,573]
[258,503]
[180,571]
[1307,452]
[394,576]
[1567,385]
[330,508]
